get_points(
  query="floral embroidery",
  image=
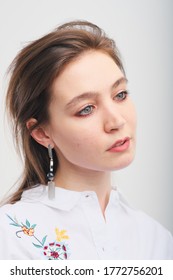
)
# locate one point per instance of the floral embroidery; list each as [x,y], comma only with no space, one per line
[60,234]
[52,251]
[55,251]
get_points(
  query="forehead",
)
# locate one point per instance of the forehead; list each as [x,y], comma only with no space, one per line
[93,71]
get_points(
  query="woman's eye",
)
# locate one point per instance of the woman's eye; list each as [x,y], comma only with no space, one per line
[121,95]
[86,111]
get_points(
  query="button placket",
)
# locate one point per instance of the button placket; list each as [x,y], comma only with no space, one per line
[96,222]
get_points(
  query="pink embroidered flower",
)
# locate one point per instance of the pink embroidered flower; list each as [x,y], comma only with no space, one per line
[55,255]
[55,251]
[64,248]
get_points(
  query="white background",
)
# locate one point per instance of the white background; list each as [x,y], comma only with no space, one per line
[142,31]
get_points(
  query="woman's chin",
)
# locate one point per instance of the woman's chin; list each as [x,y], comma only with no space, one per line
[124,163]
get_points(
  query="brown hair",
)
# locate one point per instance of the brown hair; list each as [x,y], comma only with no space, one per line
[32,74]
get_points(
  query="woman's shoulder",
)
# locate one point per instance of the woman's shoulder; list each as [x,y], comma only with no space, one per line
[151,234]
[28,205]
[11,214]
[152,225]
[17,228]
[147,224]
[4,211]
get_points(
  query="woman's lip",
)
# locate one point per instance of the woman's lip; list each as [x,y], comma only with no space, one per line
[120,148]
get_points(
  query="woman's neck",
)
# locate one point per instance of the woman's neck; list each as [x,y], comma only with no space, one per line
[80,179]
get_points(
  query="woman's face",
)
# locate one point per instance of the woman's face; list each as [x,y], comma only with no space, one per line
[90,110]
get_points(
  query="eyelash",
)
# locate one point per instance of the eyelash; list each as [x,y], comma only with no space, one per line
[125,92]
[80,114]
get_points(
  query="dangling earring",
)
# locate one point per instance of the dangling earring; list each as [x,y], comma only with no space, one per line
[50,175]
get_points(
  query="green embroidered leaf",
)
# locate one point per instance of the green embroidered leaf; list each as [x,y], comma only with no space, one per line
[15,225]
[10,218]
[28,223]
[44,239]
[37,246]
[33,226]
[57,249]
[14,222]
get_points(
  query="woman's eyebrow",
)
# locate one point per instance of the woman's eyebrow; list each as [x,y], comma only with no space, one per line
[92,94]
[120,81]
[83,96]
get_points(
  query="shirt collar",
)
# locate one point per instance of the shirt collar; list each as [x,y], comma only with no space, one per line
[64,199]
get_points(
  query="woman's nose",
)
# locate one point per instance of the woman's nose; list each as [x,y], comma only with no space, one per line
[113,119]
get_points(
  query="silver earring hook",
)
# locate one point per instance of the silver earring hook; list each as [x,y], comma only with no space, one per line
[50,151]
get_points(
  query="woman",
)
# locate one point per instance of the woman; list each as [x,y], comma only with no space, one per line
[75,123]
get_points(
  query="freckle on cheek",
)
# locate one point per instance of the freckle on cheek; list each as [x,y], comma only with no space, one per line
[77,145]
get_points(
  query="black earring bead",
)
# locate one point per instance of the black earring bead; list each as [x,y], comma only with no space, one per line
[50,176]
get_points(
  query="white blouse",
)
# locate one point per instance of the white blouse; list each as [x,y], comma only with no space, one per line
[72,227]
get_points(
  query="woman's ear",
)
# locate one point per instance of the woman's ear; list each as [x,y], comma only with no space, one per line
[39,134]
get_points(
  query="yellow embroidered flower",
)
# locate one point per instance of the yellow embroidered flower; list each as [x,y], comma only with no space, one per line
[61,234]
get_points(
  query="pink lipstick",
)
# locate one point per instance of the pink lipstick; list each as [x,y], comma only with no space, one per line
[120,145]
